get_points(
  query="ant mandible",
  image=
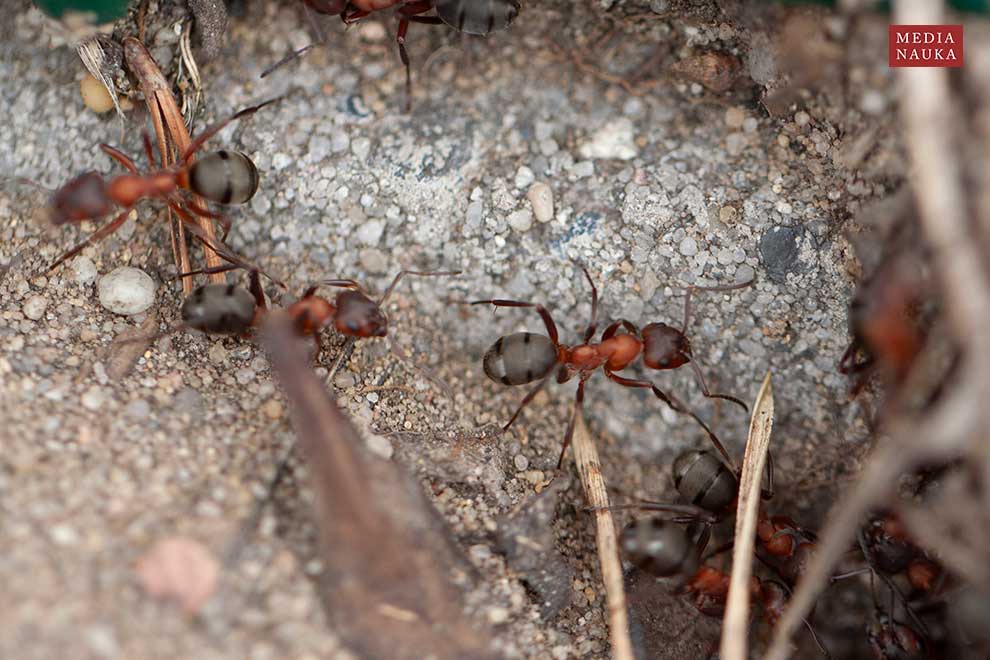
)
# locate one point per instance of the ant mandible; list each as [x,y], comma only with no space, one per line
[524,357]
[225,177]
[475,17]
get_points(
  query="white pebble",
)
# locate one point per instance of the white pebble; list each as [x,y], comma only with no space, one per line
[541,197]
[734,117]
[35,306]
[521,220]
[524,177]
[126,291]
[83,270]
[801,118]
[688,247]
[614,140]
[370,232]
[92,399]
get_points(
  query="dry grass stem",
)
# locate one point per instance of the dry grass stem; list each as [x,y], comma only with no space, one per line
[736,621]
[590,470]
[169,124]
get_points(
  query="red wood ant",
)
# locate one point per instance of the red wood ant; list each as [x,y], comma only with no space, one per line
[668,548]
[886,325]
[524,357]
[474,17]
[229,309]
[221,176]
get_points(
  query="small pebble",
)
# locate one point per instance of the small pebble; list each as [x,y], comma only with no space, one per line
[734,117]
[272,409]
[95,95]
[373,260]
[521,221]
[83,270]
[801,118]
[498,615]
[35,306]
[521,462]
[92,399]
[126,291]
[540,196]
[688,247]
[614,140]
[524,177]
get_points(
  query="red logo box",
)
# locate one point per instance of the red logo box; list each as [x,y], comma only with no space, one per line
[925,45]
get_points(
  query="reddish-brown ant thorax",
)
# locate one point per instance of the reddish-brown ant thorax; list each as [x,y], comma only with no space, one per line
[621,351]
[665,347]
[83,198]
[359,316]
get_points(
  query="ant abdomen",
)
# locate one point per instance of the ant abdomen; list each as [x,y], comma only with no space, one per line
[660,547]
[665,347]
[477,17]
[705,481]
[225,177]
[222,309]
[520,358]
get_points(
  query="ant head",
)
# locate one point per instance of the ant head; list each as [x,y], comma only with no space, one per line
[665,347]
[359,316]
[83,198]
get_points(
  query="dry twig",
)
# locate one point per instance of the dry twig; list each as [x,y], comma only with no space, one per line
[736,621]
[590,471]
[165,114]
[928,116]
[388,583]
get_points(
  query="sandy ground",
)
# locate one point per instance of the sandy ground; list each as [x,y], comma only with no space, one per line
[651,192]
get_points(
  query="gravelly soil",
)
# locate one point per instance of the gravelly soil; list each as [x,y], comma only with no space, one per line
[651,193]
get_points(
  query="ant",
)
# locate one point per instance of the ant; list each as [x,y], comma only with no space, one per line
[885,320]
[225,177]
[711,490]
[475,17]
[227,309]
[524,357]
[888,638]
[668,548]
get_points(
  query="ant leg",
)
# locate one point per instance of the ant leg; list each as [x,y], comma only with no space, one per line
[692,289]
[844,576]
[705,391]
[526,399]
[149,154]
[676,406]
[218,217]
[578,400]
[210,131]
[208,271]
[593,323]
[288,58]
[612,329]
[95,237]
[408,14]
[120,157]
[418,273]
[259,298]
[725,547]
[540,309]
[767,493]
[684,513]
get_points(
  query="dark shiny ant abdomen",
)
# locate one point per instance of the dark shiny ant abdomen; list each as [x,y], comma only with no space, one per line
[478,17]
[520,358]
[225,177]
[221,309]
